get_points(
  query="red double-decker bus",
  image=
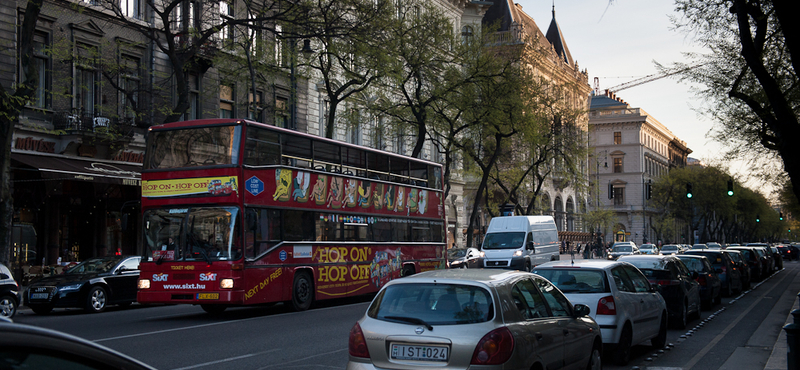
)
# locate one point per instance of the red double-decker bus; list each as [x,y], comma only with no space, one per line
[237,212]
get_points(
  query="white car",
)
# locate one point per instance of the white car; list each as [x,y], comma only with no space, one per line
[627,307]
[648,248]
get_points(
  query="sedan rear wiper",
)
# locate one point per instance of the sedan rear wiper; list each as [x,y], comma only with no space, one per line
[412,320]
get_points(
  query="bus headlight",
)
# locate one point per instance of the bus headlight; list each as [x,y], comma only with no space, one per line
[144,284]
[226,284]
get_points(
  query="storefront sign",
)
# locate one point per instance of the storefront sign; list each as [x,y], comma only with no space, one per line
[35,145]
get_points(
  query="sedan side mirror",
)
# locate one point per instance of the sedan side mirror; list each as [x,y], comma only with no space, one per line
[581,310]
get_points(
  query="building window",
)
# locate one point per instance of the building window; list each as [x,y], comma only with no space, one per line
[353,134]
[226,34]
[86,89]
[466,35]
[226,102]
[132,8]
[617,165]
[282,112]
[42,61]
[617,138]
[130,80]
[194,98]
[619,196]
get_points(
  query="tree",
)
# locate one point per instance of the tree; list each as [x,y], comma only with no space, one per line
[750,75]
[12,100]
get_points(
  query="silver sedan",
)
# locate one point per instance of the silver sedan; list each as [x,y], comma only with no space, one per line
[466,318]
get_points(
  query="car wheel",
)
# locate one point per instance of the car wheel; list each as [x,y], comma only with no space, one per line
[214,309]
[302,291]
[408,270]
[661,339]
[8,306]
[728,290]
[622,354]
[718,298]
[595,360]
[96,300]
[41,309]
[682,317]
[528,266]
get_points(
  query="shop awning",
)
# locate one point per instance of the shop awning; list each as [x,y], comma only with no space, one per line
[64,168]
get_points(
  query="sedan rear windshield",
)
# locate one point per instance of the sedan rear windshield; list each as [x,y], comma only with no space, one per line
[622,248]
[432,304]
[572,280]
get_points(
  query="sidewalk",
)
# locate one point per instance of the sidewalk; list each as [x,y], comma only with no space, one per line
[778,359]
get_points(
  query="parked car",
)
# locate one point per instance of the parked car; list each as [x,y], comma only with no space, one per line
[627,307]
[31,347]
[648,249]
[474,318]
[767,263]
[744,268]
[9,293]
[754,261]
[787,252]
[710,284]
[622,249]
[463,258]
[676,284]
[768,252]
[778,257]
[92,284]
[668,249]
[727,270]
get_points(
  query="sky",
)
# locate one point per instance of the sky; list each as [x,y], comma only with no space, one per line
[618,43]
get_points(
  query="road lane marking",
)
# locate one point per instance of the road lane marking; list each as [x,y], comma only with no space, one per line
[213,324]
[226,360]
[282,365]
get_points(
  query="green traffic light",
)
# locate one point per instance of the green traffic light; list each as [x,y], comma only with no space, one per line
[689,195]
[730,193]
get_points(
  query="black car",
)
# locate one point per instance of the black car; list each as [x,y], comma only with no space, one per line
[710,285]
[9,293]
[675,283]
[754,261]
[770,256]
[728,271]
[744,268]
[92,284]
[461,258]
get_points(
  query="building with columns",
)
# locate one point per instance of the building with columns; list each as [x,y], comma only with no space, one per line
[631,148]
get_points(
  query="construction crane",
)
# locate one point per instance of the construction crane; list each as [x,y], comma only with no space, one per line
[641,80]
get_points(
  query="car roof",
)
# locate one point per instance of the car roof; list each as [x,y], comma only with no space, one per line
[460,276]
[591,263]
[697,256]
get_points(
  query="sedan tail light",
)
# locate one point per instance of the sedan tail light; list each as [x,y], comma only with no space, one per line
[357,344]
[606,306]
[494,348]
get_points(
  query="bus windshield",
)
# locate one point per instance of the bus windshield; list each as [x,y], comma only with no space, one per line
[192,234]
[193,147]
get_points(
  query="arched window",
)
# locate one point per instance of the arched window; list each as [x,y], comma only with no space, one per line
[466,34]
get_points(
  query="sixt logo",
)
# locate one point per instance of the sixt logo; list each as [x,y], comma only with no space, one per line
[208,276]
[160,277]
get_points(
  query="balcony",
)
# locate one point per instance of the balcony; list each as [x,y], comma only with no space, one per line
[85,122]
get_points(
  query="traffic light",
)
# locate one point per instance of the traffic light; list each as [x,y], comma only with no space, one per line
[730,187]
[689,190]
[781,216]
[649,189]
[758,218]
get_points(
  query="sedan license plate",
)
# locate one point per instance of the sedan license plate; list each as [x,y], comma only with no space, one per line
[39,295]
[419,353]
[207,295]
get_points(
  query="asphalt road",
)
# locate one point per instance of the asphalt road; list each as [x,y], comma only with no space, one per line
[737,334]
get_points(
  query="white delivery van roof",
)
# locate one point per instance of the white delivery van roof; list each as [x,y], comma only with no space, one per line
[521,223]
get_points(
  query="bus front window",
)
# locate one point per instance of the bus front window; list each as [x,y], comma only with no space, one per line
[192,234]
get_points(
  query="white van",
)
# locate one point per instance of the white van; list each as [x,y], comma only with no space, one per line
[520,242]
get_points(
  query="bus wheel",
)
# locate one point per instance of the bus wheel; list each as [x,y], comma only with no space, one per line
[408,270]
[214,309]
[302,291]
